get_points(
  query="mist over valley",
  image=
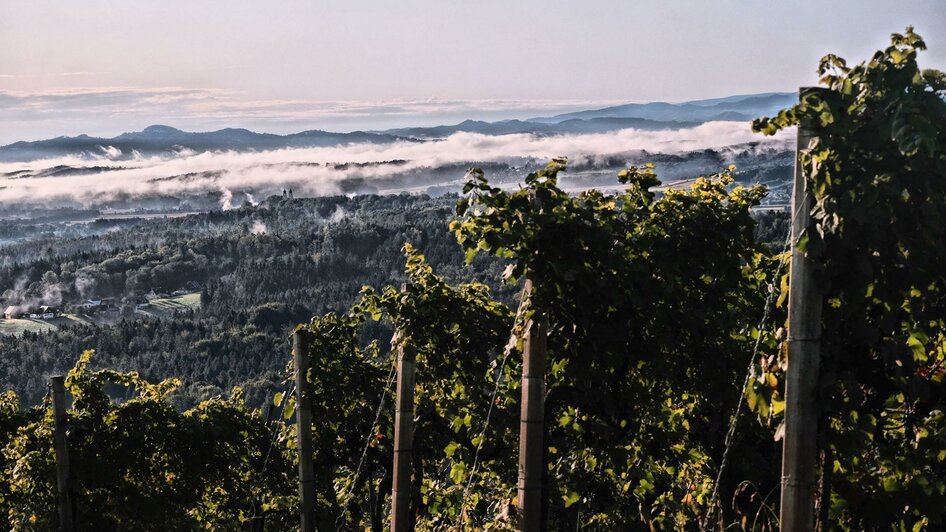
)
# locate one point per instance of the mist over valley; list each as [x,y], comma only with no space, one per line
[165,169]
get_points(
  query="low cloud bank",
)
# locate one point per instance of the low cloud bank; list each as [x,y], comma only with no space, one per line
[320,171]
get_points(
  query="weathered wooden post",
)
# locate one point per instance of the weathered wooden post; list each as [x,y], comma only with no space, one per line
[799,448]
[401,519]
[532,423]
[300,355]
[63,472]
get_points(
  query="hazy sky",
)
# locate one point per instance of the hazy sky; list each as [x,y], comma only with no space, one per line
[103,67]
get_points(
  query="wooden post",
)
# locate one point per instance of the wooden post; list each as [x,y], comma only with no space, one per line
[63,473]
[300,355]
[403,443]
[799,448]
[532,423]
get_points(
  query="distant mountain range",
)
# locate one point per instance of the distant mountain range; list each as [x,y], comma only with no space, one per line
[164,139]
[743,107]
[602,124]
[155,140]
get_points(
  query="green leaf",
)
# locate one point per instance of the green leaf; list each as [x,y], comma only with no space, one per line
[571,498]
[451,449]
[458,472]
[890,484]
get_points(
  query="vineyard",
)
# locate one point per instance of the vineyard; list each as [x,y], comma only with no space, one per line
[636,382]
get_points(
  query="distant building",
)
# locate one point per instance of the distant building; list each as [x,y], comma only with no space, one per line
[141,302]
[11,313]
[47,312]
[92,303]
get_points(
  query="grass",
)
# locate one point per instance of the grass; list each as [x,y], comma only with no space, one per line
[20,326]
[170,305]
[159,308]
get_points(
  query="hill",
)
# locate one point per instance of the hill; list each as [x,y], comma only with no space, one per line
[743,107]
[159,140]
[166,140]
[507,127]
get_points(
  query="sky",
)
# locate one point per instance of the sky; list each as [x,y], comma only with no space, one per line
[103,67]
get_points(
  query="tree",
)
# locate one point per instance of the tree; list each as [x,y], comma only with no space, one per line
[649,298]
[878,176]
[141,464]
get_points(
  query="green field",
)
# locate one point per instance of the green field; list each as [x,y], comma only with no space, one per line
[159,308]
[170,305]
[19,326]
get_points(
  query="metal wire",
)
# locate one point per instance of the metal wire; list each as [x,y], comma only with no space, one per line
[371,432]
[766,314]
[280,409]
[499,379]
[272,441]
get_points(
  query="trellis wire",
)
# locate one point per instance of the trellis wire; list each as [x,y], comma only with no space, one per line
[272,441]
[731,432]
[354,483]
[492,401]
[281,410]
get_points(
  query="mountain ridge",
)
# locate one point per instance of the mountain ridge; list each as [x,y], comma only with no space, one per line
[158,139]
[741,107]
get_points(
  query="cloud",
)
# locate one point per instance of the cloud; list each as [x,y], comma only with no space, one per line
[121,100]
[339,214]
[258,228]
[111,152]
[316,171]
[215,103]
[225,198]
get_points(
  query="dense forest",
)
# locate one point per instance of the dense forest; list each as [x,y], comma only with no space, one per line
[261,270]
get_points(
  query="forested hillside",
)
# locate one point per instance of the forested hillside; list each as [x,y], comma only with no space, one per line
[259,271]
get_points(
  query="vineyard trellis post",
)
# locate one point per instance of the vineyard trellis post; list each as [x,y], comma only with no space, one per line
[799,448]
[531,487]
[300,355]
[63,471]
[403,441]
